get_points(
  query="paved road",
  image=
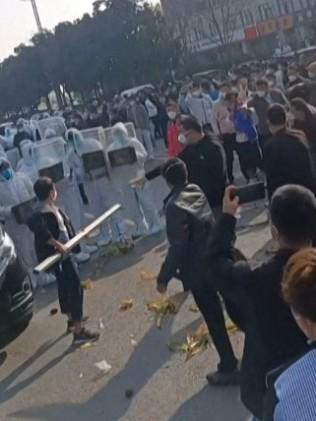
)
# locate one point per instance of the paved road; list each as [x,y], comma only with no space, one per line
[44,379]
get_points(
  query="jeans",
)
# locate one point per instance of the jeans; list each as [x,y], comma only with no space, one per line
[208,302]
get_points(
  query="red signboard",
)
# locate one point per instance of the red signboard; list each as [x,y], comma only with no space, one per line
[251,33]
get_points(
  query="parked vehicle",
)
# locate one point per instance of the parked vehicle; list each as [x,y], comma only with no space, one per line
[16,297]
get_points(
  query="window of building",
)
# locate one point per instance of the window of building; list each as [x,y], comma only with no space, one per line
[247,18]
[286,7]
[303,4]
[266,11]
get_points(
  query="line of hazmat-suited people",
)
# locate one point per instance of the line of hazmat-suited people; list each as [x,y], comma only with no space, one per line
[91,170]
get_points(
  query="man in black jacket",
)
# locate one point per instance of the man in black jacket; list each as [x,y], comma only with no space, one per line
[287,159]
[205,161]
[189,225]
[52,230]
[272,337]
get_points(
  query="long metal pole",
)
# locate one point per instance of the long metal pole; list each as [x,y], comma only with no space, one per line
[37,16]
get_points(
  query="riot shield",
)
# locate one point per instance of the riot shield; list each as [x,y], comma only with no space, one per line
[13,156]
[55,123]
[49,157]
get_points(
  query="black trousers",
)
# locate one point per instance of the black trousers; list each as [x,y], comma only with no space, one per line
[229,141]
[209,304]
[70,292]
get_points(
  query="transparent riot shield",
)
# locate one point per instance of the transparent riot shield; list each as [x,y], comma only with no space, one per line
[55,123]
[122,157]
[49,157]
[131,130]
[25,210]
[13,156]
[94,133]
[93,158]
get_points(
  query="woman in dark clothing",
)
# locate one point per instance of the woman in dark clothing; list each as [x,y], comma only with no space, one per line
[305,120]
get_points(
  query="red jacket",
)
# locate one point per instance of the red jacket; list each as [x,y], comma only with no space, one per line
[174,146]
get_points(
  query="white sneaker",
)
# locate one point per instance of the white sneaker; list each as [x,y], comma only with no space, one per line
[104,241]
[90,249]
[82,257]
[155,229]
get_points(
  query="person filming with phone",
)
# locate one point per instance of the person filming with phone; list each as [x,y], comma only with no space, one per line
[272,337]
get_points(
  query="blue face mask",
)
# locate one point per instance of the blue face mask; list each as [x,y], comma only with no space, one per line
[7,174]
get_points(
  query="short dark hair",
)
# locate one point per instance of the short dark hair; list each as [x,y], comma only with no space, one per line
[261,82]
[276,115]
[293,213]
[43,187]
[175,172]
[299,283]
[206,85]
[190,123]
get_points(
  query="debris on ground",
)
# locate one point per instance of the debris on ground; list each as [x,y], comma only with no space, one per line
[103,366]
[147,276]
[87,285]
[126,305]
[101,324]
[193,308]
[230,326]
[53,312]
[161,308]
[129,393]
[194,344]
[133,343]
[87,345]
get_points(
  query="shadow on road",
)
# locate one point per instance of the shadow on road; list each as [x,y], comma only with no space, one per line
[7,391]
[111,403]
[208,405]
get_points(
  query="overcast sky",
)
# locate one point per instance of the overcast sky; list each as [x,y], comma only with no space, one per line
[17,22]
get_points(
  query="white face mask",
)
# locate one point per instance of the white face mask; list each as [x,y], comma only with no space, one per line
[182,139]
[172,115]
[261,94]
[292,78]
[271,83]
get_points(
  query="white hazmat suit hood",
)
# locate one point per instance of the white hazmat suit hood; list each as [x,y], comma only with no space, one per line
[127,157]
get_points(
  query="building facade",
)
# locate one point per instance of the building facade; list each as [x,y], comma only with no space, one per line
[249,25]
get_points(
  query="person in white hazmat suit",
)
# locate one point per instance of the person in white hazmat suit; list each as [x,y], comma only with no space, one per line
[92,170]
[127,157]
[50,155]
[26,164]
[17,199]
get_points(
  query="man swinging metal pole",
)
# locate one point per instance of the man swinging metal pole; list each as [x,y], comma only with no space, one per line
[50,261]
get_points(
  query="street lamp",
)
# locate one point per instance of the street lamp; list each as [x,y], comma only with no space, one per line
[36,15]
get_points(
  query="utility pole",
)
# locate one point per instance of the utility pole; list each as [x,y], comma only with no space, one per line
[36,15]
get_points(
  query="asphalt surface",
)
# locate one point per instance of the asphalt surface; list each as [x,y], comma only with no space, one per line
[44,378]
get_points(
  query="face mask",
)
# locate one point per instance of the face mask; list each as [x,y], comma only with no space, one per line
[182,139]
[311,75]
[7,174]
[271,83]
[292,78]
[172,115]
[196,93]
[261,94]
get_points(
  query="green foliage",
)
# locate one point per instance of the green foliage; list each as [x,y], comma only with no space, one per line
[123,43]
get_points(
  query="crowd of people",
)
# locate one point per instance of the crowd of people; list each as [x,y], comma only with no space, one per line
[262,115]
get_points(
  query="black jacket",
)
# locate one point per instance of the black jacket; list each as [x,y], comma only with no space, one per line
[287,160]
[272,336]
[189,224]
[45,227]
[206,166]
